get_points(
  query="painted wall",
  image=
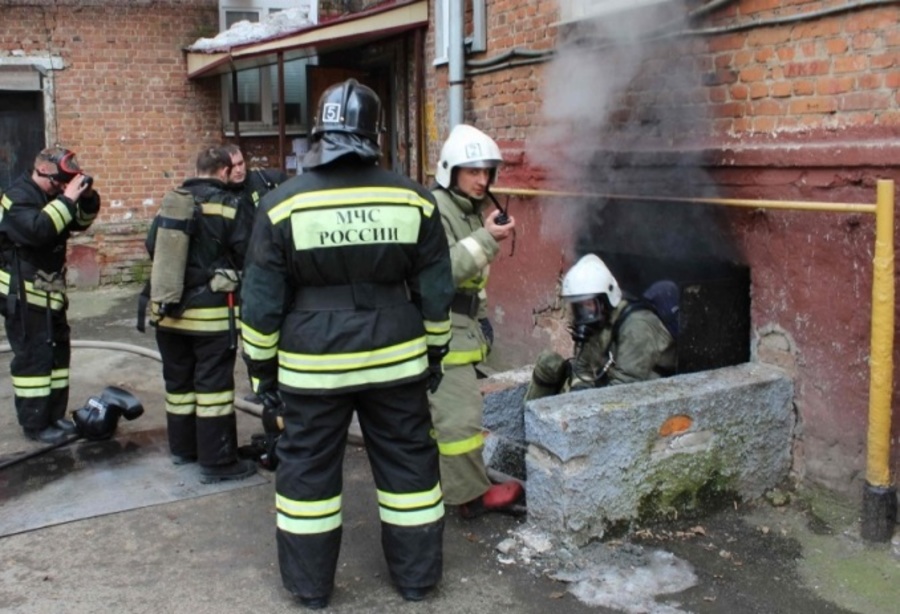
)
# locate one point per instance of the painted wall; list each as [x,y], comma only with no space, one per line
[800,105]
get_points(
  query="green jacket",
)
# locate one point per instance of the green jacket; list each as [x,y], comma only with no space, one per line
[472,248]
[643,350]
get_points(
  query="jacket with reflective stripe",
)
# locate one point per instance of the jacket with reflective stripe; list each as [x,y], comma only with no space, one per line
[472,248]
[220,242]
[356,226]
[36,227]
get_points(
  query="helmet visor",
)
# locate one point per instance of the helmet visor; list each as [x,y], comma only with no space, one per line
[587,311]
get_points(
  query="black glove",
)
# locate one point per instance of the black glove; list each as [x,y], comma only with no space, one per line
[435,368]
[487,329]
[273,425]
[273,406]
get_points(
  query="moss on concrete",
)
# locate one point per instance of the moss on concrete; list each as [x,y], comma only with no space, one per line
[686,485]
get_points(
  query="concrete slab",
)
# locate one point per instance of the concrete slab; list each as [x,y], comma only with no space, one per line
[654,450]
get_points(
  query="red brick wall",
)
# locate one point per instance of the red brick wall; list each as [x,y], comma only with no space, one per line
[806,110]
[123,103]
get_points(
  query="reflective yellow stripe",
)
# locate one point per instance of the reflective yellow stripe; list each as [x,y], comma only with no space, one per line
[31,386]
[38,298]
[465,357]
[343,226]
[308,517]
[58,213]
[214,404]
[475,283]
[475,250]
[257,345]
[437,334]
[226,211]
[347,197]
[181,404]
[6,202]
[200,319]
[84,218]
[463,446]
[411,509]
[353,360]
[59,378]
[334,381]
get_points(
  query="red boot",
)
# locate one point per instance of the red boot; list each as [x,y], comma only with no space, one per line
[498,498]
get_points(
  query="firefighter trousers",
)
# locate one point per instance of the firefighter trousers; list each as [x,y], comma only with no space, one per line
[199,375]
[458,412]
[396,426]
[40,364]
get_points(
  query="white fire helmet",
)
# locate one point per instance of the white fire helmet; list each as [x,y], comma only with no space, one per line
[588,278]
[467,147]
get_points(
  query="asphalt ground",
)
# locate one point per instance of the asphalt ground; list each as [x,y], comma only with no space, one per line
[114,527]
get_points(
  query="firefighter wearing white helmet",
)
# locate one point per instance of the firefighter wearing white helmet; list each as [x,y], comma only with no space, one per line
[618,339]
[466,170]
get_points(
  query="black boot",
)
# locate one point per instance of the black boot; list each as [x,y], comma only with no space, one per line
[49,434]
[237,470]
[67,426]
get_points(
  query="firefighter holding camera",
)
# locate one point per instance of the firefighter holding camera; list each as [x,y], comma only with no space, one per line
[40,211]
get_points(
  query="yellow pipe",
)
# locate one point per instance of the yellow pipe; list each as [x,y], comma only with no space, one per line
[730,202]
[881,361]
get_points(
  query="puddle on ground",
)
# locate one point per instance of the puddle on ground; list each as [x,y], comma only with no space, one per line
[92,478]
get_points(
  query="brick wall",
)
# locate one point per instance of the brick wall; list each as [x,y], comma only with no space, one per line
[122,102]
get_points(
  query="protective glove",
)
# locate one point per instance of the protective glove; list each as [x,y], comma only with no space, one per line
[435,368]
[488,330]
[273,425]
[273,406]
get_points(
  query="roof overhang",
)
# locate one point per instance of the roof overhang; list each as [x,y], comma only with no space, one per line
[351,31]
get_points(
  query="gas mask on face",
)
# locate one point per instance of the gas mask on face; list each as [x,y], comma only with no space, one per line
[66,168]
[588,315]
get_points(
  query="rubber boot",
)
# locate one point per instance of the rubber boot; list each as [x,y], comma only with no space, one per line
[50,434]
[237,470]
[498,498]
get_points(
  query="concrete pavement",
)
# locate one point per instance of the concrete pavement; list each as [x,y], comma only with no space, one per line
[120,529]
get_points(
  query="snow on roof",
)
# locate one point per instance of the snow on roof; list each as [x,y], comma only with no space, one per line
[244,32]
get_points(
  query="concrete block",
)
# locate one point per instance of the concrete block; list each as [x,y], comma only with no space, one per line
[504,419]
[604,457]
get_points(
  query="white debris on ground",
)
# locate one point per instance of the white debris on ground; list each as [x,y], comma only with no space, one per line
[617,574]
[243,32]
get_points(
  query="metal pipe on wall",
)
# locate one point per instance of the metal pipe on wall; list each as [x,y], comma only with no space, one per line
[457,62]
[879,512]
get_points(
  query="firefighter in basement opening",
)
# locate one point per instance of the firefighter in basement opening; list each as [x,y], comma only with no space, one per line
[618,339]
[467,167]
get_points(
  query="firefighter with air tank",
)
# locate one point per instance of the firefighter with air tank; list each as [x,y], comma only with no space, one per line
[618,339]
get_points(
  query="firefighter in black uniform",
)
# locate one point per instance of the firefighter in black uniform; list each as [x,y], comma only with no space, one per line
[346,295]
[40,211]
[196,337]
[251,184]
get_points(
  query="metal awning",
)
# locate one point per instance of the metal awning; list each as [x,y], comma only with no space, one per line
[350,31]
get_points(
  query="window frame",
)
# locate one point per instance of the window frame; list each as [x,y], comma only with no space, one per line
[266,126]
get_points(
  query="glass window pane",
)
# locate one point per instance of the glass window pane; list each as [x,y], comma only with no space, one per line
[249,107]
[294,92]
[232,17]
